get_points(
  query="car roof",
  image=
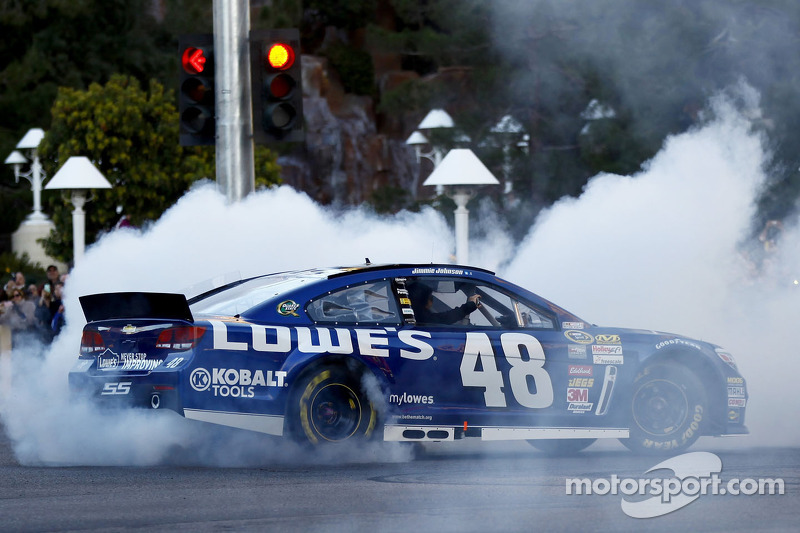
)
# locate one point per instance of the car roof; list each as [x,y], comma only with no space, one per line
[421,268]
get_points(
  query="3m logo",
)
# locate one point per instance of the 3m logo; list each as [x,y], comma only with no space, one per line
[577,395]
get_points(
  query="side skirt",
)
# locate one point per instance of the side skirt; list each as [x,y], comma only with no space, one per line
[271,424]
[448,433]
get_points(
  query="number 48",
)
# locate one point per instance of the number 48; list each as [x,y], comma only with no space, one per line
[479,348]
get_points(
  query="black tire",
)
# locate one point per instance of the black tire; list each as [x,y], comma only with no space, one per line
[329,406]
[668,410]
[561,446]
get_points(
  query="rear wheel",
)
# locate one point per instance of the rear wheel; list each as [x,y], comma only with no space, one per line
[561,446]
[329,406]
[668,409]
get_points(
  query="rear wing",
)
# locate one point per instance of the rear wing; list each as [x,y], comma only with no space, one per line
[158,305]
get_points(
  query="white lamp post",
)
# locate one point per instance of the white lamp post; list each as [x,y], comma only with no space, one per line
[435,119]
[35,175]
[79,175]
[462,170]
[510,132]
[36,225]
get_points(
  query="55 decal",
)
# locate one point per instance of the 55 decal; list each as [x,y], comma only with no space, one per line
[123,387]
[479,369]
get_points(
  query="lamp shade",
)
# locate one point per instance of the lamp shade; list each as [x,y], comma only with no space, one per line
[15,158]
[436,118]
[78,173]
[461,167]
[31,139]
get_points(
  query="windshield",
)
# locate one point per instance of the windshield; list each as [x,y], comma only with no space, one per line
[240,297]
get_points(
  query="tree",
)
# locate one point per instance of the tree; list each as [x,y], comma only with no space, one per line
[131,136]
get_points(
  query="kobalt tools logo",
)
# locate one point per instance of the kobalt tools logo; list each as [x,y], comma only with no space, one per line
[233,382]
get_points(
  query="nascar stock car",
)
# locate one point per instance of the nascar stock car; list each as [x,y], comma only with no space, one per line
[403,353]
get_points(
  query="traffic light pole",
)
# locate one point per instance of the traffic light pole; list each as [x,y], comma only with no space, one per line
[233,99]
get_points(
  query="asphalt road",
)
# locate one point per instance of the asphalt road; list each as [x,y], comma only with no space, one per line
[460,486]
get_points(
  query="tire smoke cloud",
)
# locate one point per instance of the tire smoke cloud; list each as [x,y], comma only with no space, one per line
[662,249]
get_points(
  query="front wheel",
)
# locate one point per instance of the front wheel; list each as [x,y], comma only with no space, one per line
[668,410]
[329,406]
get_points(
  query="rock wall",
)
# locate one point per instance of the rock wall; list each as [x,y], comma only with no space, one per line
[344,159]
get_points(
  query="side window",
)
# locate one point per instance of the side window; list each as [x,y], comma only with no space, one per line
[367,303]
[441,301]
[528,317]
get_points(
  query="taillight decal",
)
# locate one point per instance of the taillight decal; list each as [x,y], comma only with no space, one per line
[92,342]
[180,338]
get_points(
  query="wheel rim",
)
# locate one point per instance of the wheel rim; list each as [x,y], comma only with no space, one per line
[335,412]
[660,407]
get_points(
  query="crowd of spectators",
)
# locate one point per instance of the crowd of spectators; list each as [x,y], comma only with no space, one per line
[33,311]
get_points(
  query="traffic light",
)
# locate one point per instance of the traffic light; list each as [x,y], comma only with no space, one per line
[196,97]
[277,85]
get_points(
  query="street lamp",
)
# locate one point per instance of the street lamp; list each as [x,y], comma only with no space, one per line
[36,225]
[35,175]
[462,170]
[79,175]
[510,131]
[436,119]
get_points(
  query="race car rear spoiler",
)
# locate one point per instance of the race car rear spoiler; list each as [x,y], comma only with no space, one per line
[157,305]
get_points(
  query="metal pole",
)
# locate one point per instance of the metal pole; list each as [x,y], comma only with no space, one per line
[36,185]
[235,167]
[462,227]
[78,225]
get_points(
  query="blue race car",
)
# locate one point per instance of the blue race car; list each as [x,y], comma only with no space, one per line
[403,353]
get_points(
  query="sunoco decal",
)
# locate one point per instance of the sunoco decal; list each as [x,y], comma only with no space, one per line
[576,352]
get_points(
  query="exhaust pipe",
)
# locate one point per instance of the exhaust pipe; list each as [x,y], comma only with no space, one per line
[155,401]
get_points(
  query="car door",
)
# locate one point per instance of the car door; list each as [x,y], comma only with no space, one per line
[489,369]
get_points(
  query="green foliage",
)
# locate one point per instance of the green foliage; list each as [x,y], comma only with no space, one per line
[279,14]
[11,263]
[407,96]
[354,66]
[267,169]
[389,199]
[347,14]
[130,135]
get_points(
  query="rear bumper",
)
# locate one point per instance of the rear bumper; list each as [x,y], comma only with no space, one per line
[156,390]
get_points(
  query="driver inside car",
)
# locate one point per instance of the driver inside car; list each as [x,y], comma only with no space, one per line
[422,303]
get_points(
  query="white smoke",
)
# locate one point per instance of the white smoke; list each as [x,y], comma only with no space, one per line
[658,250]
[664,250]
[199,238]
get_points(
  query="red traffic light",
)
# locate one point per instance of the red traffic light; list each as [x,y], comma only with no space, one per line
[280,56]
[193,60]
[196,96]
